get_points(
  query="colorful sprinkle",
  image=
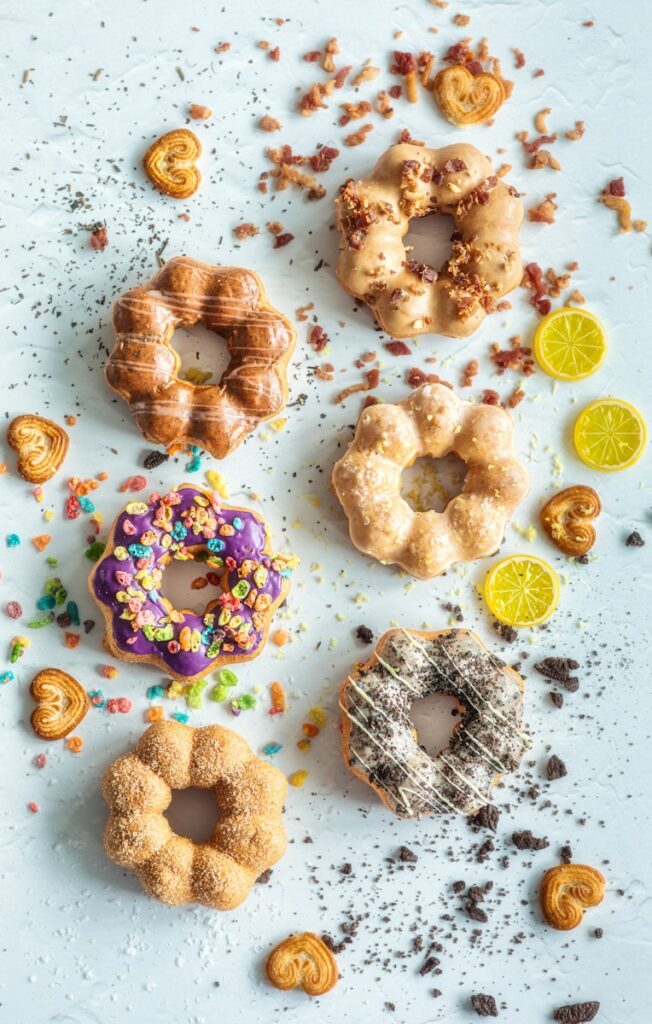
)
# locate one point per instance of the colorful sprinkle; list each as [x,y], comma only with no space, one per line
[13,540]
[110,672]
[226,677]
[309,730]
[154,714]
[281,637]
[6,677]
[180,716]
[155,692]
[96,698]
[14,609]
[279,703]
[304,746]
[218,483]
[298,779]
[42,541]
[272,748]
[33,807]
[134,483]
[220,693]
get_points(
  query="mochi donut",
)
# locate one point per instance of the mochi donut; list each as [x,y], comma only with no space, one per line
[379,741]
[248,838]
[188,523]
[408,297]
[432,421]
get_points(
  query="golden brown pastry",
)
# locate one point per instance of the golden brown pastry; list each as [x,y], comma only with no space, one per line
[61,703]
[170,163]
[432,421]
[567,890]
[144,366]
[248,838]
[41,445]
[373,215]
[567,516]
[464,98]
[303,960]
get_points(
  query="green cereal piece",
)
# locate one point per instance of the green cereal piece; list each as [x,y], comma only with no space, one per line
[226,677]
[220,693]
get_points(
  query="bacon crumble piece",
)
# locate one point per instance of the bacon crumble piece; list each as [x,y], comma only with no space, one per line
[354,111]
[280,241]
[222,47]
[275,54]
[613,196]
[490,397]
[383,105]
[367,74]
[371,381]
[269,124]
[575,133]
[317,338]
[99,237]
[323,158]
[198,112]
[312,56]
[325,372]
[515,398]
[518,357]
[534,279]
[246,230]
[415,377]
[330,50]
[357,138]
[461,20]
[366,357]
[470,371]
[544,213]
[424,272]
[286,172]
[301,313]
[398,348]
[519,57]
[531,146]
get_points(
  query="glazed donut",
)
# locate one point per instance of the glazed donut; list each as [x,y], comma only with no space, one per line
[248,838]
[380,744]
[144,367]
[388,438]
[189,521]
[373,215]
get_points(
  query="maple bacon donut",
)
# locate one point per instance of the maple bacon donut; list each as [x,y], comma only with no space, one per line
[189,523]
[432,421]
[380,744]
[407,297]
[144,367]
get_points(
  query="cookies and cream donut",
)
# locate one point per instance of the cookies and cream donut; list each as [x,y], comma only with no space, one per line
[128,582]
[432,421]
[248,838]
[144,368]
[380,744]
[374,214]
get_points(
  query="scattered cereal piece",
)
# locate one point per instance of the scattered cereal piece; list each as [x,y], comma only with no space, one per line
[180,716]
[298,779]
[40,761]
[14,609]
[279,704]
[281,637]
[71,639]
[74,744]
[42,541]
[154,714]
[318,716]
[110,672]
[198,112]
[33,807]
[272,748]
[13,540]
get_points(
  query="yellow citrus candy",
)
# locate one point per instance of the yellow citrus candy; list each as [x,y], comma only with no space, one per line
[570,343]
[610,434]
[522,590]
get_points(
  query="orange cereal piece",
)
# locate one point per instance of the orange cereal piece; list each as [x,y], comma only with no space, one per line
[71,420]
[310,730]
[71,639]
[279,704]
[103,475]
[74,744]
[199,583]
[41,541]
[281,637]
[110,672]
[304,746]
[298,779]
[3,467]
[154,714]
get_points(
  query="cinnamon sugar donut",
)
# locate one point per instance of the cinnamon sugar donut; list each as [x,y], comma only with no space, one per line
[380,744]
[144,367]
[388,438]
[248,838]
[373,215]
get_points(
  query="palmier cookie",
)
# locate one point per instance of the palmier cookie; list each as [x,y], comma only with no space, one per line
[380,743]
[466,99]
[567,519]
[170,163]
[41,445]
[61,703]
[302,960]
[567,890]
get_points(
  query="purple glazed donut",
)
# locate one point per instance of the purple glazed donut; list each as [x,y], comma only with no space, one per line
[128,580]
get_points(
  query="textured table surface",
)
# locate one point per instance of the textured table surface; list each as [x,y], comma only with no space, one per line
[86,87]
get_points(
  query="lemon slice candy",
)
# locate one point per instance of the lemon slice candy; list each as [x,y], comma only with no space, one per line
[610,434]
[522,590]
[570,343]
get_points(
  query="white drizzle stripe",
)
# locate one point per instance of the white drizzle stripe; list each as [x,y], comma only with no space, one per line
[395,674]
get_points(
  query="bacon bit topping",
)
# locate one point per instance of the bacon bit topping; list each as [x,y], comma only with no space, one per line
[533,145]
[403,63]
[519,58]
[366,357]
[383,105]
[613,196]
[269,124]
[341,76]
[461,20]
[275,54]
[395,91]
[576,298]
[470,371]
[411,87]
[575,133]
[198,112]
[535,280]
[452,166]
[357,138]
[245,230]
[222,47]
[490,397]
[518,358]
[416,377]
[282,240]
[354,111]
[317,338]
[325,372]
[286,172]
[99,237]
[544,213]
[515,398]
[407,138]
[323,158]
[616,187]
[503,170]
[538,73]
[312,56]
[398,348]
[422,270]
[368,73]
[274,227]
[301,313]
[332,47]
[556,282]
[459,53]
[544,158]
[313,100]
[372,379]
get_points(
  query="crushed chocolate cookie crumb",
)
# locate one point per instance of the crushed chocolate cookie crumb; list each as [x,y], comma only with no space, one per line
[526,841]
[558,669]
[365,634]
[484,1005]
[154,459]
[635,540]
[429,965]
[485,850]
[576,1013]
[555,768]
[346,869]
[598,932]
[505,632]
[264,878]
[557,698]
[407,855]
[486,817]
[458,887]
[566,854]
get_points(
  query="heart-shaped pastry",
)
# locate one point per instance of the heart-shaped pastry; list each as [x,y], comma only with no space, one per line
[464,98]
[302,960]
[567,890]
[61,703]
[566,518]
[170,163]
[41,446]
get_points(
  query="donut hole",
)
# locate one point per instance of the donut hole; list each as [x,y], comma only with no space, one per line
[177,588]
[429,484]
[435,717]
[430,239]
[201,349]
[193,813]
